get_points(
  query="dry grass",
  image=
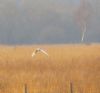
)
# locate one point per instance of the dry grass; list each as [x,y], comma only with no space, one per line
[79,64]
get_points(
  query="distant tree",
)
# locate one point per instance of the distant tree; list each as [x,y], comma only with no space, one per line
[83,15]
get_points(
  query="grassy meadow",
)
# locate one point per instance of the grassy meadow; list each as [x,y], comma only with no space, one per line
[77,64]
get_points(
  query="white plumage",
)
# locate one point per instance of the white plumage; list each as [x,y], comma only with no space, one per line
[39,50]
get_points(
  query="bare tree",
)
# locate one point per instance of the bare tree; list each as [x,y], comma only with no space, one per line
[83,14]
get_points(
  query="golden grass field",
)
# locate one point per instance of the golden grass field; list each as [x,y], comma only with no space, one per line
[78,64]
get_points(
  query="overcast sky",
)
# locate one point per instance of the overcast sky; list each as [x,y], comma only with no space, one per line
[46,21]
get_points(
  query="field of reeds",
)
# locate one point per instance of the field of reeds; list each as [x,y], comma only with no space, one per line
[68,69]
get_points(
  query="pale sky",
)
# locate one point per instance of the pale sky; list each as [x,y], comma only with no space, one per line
[45,21]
